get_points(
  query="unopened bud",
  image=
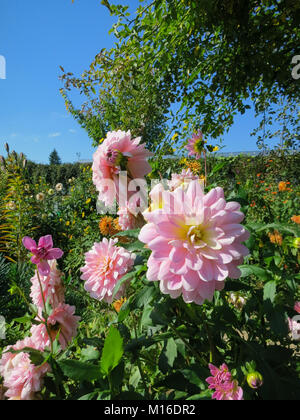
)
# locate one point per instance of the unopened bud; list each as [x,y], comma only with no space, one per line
[255,380]
[6,147]
[296,243]
[24,163]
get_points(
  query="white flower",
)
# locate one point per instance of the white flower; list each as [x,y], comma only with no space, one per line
[59,187]
[40,196]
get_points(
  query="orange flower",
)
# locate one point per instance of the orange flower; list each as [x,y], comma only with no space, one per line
[118,304]
[275,237]
[194,166]
[282,186]
[296,219]
[258,175]
[108,226]
[274,192]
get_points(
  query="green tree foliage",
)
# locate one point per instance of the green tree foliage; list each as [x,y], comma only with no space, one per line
[209,57]
[54,159]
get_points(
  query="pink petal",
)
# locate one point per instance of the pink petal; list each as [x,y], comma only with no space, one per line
[29,243]
[54,254]
[43,267]
[46,242]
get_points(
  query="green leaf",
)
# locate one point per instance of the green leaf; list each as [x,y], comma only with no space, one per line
[124,279]
[112,351]
[80,371]
[270,291]
[90,353]
[133,233]
[217,168]
[248,270]
[171,351]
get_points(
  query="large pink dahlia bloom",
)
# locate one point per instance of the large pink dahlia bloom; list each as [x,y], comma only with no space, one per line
[22,379]
[63,321]
[104,266]
[225,387]
[196,241]
[118,152]
[53,289]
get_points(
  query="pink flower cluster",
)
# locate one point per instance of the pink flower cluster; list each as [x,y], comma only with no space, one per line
[22,379]
[195,239]
[225,387]
[105,265]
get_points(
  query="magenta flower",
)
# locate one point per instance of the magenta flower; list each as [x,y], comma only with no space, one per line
[42,253]
[225,387]
[195,239]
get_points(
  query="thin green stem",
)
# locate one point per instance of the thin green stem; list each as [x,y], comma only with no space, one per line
[45,312]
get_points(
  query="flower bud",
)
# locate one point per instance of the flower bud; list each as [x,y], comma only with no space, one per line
[296,243]
[6,147]
[255,380]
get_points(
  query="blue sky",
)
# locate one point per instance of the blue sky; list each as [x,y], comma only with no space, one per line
[36,37]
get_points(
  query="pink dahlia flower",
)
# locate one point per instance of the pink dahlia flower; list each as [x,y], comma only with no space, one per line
[118,152]
[297,307]
[294,327]
[195,145]
[196,241]
[53,289]
[22,379]
[182,179]
[63,321]
[42,253]
[104,266]
[225,387]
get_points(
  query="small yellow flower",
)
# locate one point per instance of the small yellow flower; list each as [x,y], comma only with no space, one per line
[67,223]
[175,136]
[83,215]
[88,201]
[216,148]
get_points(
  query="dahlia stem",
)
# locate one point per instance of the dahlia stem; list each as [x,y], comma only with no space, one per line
[196,355]
[45,311]
[139,362]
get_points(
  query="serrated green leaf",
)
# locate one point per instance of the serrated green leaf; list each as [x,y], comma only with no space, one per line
[80,371]
[112,351]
